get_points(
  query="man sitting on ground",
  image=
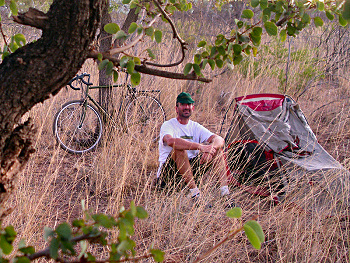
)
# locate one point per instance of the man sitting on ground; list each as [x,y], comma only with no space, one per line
[187,149]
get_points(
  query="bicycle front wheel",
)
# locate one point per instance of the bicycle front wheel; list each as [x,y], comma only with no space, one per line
[77,127]
[144,116]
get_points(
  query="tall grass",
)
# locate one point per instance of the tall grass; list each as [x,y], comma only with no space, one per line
[121,169]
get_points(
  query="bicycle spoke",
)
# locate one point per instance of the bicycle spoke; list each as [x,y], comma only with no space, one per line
[144,116]
[73,138]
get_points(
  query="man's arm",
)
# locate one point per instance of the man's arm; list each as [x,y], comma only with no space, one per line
[181,144]
[217,143]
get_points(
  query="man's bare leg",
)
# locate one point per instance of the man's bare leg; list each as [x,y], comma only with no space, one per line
[219,168]
[183,165]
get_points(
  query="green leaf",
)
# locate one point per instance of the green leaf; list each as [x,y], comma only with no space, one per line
[255,39]
[240,24]
[234,212]
[2,2]
[64,231]
[305,19]
[257,31]
[248,14]
[120,34]
[204,63]
[27,250]
[197,58]
[137,61]
[103,219]
[13,7]
[221,50]
[219,63]
[149,31]
[132,28]
[342,21]
[266,14]
[150,54]
[139,30]
[111,28]
[10,232]
[125,2]
[109,68]
[54,246]
[211,63]
[237,49]
[271,28]
[320,5]
[283,35]
[202,43]
[187,68]
[157,255]
[346,11]
[20,39]
[133,209]
[219,39]
[213,51]
[48,232]
[158,36]
[330,16]
[99,57]
[318,21]
[263,4]
[103,64]
[115,75]
[255,51]
[257,229]
[21,260]
[126,244]
[254,3]
[197,69]
[205,54]
[5,246]
[78,223]
[252,236]
[130,66]
[135,78]
[123,61]
[237,59]
[291,30]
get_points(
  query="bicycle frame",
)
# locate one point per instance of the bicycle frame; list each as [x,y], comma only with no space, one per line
[131,92]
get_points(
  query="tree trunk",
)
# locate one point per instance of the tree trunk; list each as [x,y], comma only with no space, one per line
[37,71]
[104,94]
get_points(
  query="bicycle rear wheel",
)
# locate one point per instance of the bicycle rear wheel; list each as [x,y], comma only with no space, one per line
[144,116]
[77,127]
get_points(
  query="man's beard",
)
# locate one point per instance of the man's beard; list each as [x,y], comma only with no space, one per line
[187,116]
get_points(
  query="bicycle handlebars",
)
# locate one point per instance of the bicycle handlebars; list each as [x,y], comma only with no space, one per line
[79,77]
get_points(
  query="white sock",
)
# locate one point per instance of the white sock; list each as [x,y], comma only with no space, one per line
[194,192]
[224,190]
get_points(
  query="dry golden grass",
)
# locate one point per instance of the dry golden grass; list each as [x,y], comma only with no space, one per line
[54,182]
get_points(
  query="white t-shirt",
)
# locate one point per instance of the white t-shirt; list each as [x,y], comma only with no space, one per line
[192,132]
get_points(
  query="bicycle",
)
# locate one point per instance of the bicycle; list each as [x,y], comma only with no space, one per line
[78,125]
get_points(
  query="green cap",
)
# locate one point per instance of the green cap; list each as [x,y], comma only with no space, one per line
[184,98]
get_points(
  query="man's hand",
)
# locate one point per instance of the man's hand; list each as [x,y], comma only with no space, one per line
[208,151]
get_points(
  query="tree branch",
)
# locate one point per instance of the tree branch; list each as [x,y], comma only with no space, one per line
[34,18]
[175,35]
[151,71]
[134,42]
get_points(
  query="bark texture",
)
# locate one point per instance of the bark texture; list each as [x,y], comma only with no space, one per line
[37,71]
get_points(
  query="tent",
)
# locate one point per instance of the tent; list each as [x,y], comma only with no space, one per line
[272,151]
